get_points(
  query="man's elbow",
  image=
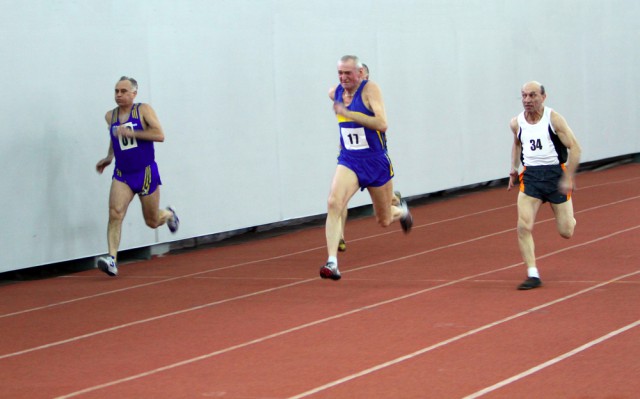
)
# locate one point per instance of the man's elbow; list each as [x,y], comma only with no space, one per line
[576,150]
[159,133]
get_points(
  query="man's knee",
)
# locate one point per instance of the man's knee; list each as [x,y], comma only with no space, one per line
[566,231]
[566,234]
[153,223]
[116,214]
[384,220]
[335,205]
[524,228]
[152,219]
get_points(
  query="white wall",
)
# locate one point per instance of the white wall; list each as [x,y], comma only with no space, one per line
[241,90]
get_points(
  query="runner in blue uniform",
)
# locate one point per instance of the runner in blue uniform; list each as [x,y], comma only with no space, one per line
[395,200]
[133,128]
[543,143]
[363,161]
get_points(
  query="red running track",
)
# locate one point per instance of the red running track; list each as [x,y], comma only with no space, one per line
[432,314]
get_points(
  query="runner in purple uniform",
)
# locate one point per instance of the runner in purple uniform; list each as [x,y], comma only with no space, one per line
[133,127]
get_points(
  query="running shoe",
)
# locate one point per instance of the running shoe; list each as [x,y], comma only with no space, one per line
[406,220]
[342,246]
[330,270]
[530,283]
[107,264]
[173,223]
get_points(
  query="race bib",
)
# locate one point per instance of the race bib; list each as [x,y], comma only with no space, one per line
[354,138]
[127,143]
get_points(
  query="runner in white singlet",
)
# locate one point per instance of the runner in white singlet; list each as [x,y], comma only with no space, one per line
[550,153]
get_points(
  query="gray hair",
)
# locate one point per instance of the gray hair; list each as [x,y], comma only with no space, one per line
[354,58]
[134,83]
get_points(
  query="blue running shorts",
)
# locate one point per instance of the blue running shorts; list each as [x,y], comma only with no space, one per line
[144,182]
[372,170]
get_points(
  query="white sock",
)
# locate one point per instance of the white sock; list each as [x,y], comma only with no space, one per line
[333,259]
[533,272]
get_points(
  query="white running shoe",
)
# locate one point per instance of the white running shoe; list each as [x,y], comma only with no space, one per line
[108,265]
[330,270]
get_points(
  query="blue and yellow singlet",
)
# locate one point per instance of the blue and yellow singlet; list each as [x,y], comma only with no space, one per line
[355,138]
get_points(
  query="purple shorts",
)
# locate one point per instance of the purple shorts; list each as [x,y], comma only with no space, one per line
[373,170]
[144,182]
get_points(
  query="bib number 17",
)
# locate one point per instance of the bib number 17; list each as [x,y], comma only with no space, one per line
[354,138]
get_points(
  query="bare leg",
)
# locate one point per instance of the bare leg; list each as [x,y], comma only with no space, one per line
[154,216]
[527,210]
[382,198]
[343,187]
[395,200]
[565,221]
[120,197]
[343,221]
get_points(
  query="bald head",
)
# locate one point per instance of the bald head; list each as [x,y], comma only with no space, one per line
[533,86]
[533,96]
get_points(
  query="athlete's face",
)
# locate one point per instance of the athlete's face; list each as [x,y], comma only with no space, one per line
[124,93]
[349,74]
[532,99]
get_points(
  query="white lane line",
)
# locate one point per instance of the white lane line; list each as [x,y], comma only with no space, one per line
[451,340]
[292,254]
[553,361]
[368,307]
[199,307]
[219,269]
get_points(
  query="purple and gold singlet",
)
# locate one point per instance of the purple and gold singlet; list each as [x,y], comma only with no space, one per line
[132,155]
